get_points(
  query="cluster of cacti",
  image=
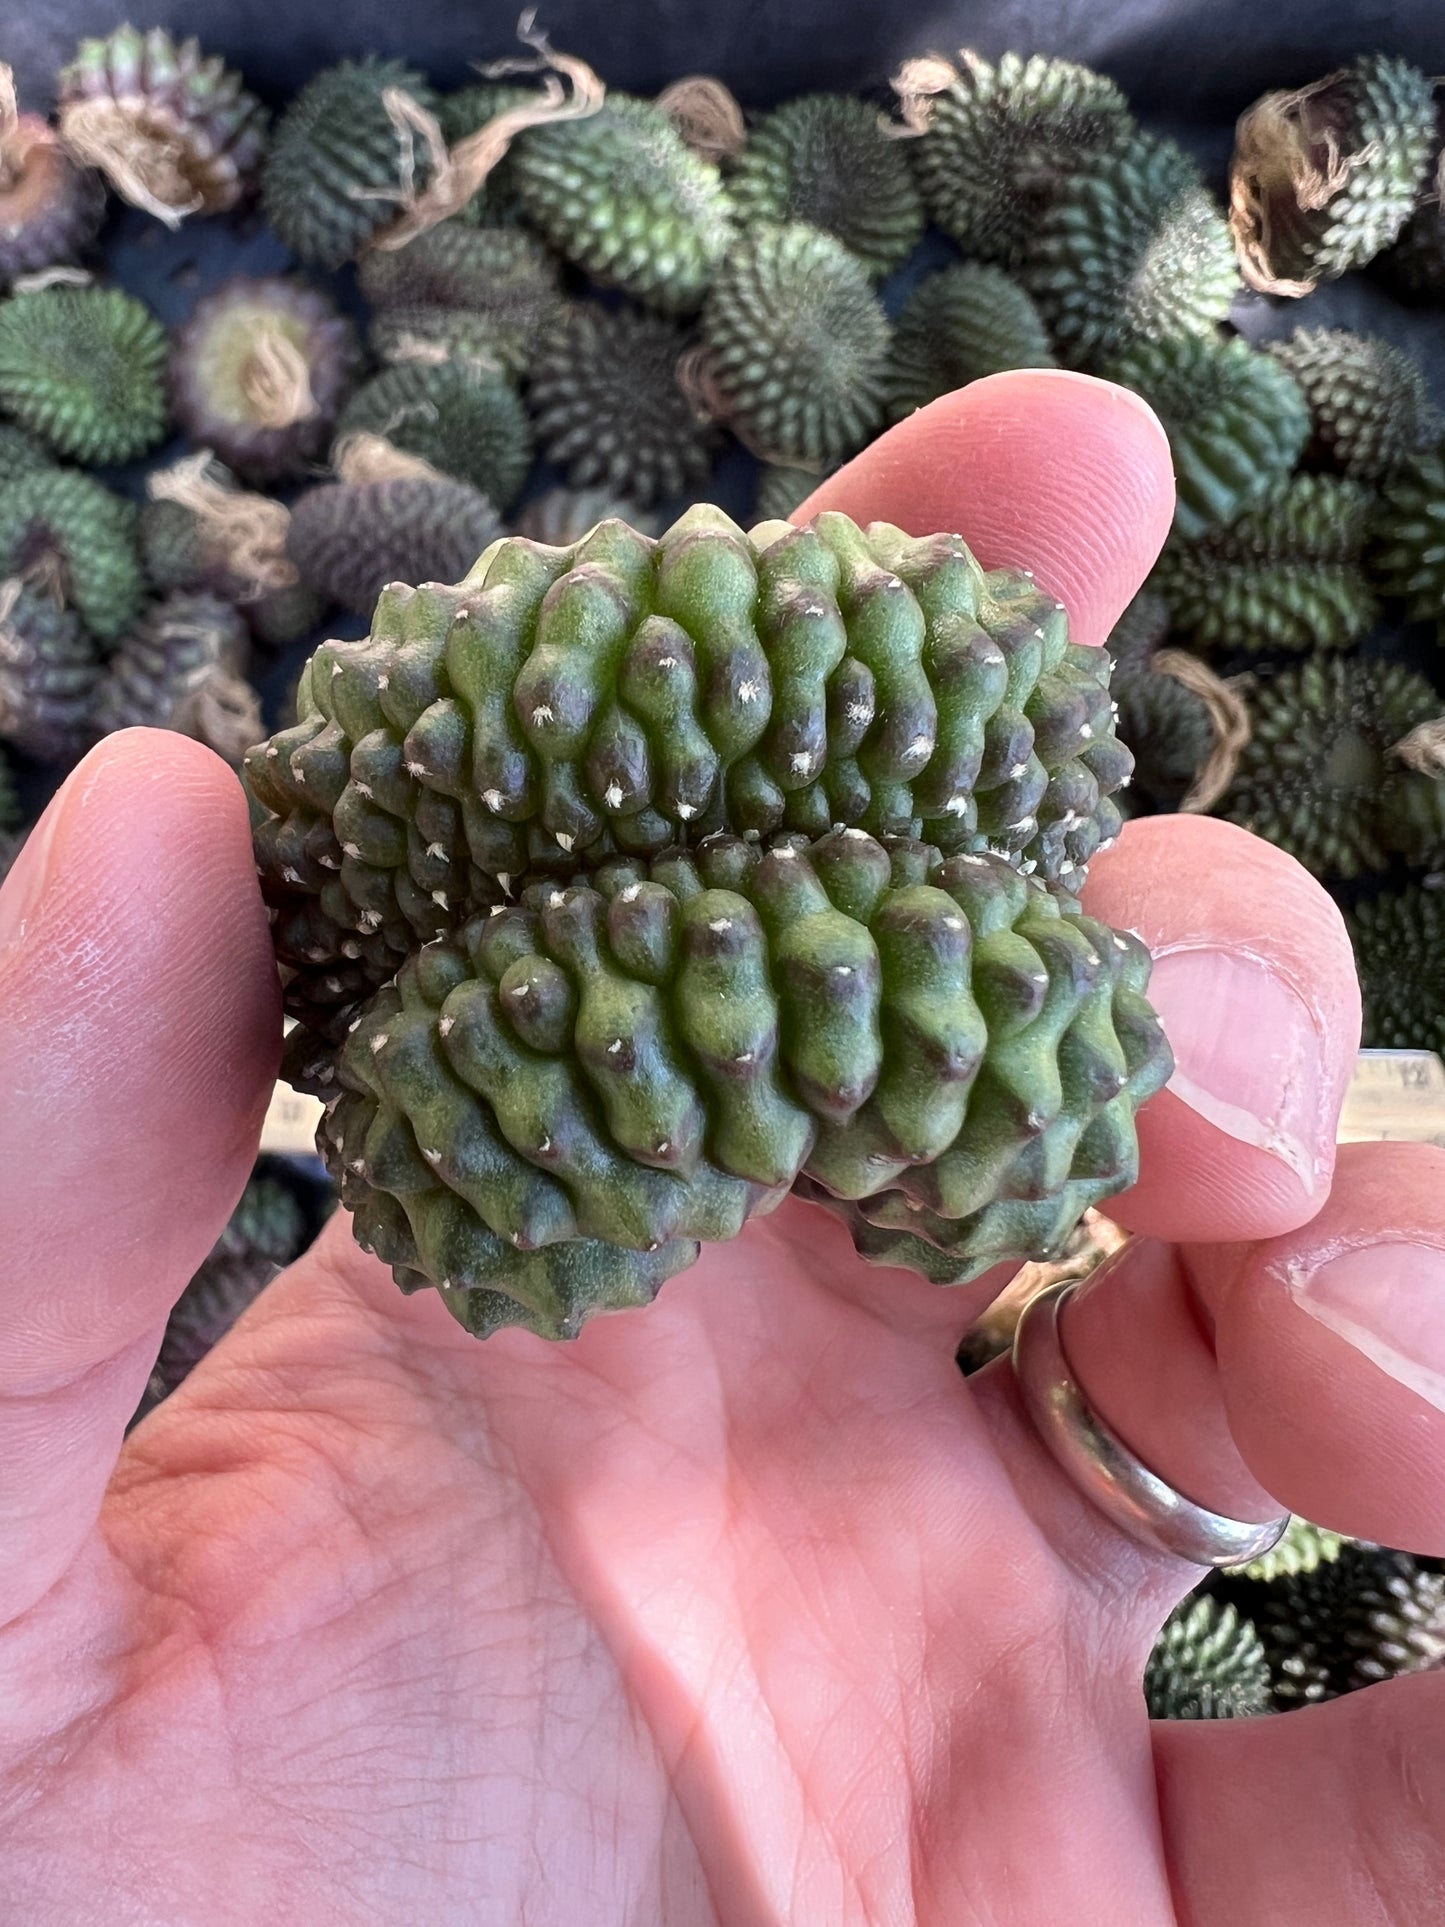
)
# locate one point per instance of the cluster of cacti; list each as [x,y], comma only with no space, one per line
[1322,1616]
[745,290]
[790,824]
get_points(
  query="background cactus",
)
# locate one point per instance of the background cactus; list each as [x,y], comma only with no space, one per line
[83,369]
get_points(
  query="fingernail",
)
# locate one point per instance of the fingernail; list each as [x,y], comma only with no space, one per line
[1248,1055]
[1388,1301]
[22,891]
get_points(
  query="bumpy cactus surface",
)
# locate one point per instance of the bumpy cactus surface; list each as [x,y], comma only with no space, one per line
[560,705]
[646,1057]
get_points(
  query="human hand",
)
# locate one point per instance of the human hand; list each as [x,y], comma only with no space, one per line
[746,1607]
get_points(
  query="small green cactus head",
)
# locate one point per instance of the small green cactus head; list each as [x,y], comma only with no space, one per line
[957,326]
[1207,1664]
[1236,419]
[621,194]
[797,346]
[1399,939]
[1325,177]
[1132,247]
[73,540]
[350,539]
[463,421]
[1002,140]
[1369,402]
[610,406]
[337,172]
[1409,539]
[83,368]
[824,159]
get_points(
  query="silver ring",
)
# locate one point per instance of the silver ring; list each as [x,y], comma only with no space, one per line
[1104,1468]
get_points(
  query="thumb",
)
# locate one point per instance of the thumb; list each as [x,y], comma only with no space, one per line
[139,1038]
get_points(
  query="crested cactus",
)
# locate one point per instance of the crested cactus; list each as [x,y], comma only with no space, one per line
[560,704]
[547,1111]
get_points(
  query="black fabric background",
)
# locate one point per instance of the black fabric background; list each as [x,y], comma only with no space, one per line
[1195,59]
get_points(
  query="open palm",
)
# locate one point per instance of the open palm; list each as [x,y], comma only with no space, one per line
[743,1608]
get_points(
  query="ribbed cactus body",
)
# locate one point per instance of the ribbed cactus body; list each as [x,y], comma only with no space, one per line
[1237,422]
[1286,574]
[1005,139]
[825,159]
[75,540]
[49,673]
[647,1057]
[622,195]
[83,369]
[1319,776]
[561,705]
[335,175]
[1207,1664]
[1325,177]
[176,127]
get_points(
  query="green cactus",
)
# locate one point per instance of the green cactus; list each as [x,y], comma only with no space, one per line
[622,195]
[1237,422]
[1368,1615]
[609,407]
[545,1114]
[468,423]
[1415,265]
[1369,403]
[49,673]
[21,454]
[75,540]
[1326,176]
[1408,554]
[1318,777]
[1132,247]
[473,290]
[797,346]
[957,326]
[1285,575]
[466,111]
[51,208]
[334,176]
[1399,940]
[181,134]
[1170,731]
[1138,634]
[83,368]
[1207,1664]
[259,372]
[286,615]
[350,539]
[560,704]
[1004,140]
[824,159]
